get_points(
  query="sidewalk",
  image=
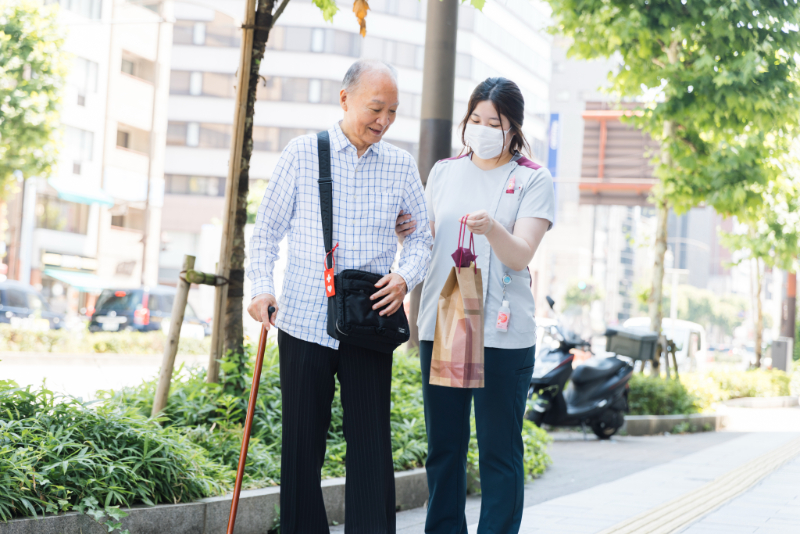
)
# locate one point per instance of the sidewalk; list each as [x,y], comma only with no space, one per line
[743,481]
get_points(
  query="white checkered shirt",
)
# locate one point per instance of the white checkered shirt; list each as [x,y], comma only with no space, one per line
[368,194]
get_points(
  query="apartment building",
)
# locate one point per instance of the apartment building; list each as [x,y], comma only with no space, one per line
[303,66]
[95,222]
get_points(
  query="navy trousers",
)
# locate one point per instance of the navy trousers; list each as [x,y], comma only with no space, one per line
[307,389]
[499,407]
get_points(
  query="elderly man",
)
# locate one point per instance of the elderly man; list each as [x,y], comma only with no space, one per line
[372,182]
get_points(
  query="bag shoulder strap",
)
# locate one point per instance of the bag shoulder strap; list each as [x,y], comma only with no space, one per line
[325,194]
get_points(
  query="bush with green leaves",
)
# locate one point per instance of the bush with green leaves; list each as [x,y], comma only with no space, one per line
[650,395]
[720,385]
[700,392]
[212,415]
[58,454]
[65,341]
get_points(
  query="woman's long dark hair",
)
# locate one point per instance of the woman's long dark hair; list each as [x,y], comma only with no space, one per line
[507,100]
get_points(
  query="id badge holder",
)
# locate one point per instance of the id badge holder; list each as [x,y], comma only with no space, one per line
[328,273]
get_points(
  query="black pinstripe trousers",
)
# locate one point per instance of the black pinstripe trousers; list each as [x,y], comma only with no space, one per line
[307,389]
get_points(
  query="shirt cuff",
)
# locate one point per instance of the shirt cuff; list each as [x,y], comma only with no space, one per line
[407,277]
[262,286]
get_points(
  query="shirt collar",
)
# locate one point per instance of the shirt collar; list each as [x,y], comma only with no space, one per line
[339,142]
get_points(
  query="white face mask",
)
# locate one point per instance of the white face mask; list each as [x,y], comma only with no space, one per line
[487,143]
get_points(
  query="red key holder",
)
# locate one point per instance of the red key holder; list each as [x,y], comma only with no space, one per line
[328,272]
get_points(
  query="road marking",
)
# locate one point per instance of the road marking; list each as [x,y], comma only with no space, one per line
[684,510]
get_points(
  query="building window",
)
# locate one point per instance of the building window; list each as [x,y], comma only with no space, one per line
[83,78]
[192,134]
[86,8]
[132,218]
[123,139]
[214,136]
[272,88]
[176,133]
[139,67]
[128,67]
[179,82]
[176,184]
[207,135]
[79,145]
[219,85]
[196,83]
[52,213]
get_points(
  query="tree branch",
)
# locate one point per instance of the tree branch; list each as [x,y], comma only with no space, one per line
[279,11]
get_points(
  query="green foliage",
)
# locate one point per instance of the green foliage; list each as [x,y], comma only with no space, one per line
[58,454]
[771,232]
[254,197]
[796,348]
[63,341]
[794,384]
[32,75]
[752,383]
[726,72]
[211,415]
[581,293]
[651,395]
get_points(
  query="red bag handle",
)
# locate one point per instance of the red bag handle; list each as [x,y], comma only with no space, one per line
[462,234]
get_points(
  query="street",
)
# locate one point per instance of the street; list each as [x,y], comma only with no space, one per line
[598,487]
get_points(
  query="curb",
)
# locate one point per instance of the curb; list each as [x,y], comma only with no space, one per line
[763,402]
[257,512]
[645,425]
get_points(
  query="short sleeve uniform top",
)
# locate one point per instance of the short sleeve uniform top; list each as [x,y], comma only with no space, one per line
[517,190]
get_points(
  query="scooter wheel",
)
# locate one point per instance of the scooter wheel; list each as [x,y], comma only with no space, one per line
[535,417]
[607,424]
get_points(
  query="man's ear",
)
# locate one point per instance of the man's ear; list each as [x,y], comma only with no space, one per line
[343,99]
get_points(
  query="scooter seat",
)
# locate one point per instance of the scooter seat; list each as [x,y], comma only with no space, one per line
[595,369]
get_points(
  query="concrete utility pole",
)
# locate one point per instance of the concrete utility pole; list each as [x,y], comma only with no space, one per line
[438,87]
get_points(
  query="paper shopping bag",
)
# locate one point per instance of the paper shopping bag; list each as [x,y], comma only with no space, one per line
[458,340]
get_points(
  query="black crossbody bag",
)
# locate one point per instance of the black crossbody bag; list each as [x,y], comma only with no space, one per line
[351,318]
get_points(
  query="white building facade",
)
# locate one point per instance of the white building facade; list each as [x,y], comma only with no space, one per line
[87,223]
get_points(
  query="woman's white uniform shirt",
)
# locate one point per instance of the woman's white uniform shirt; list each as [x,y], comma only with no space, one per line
[457,187]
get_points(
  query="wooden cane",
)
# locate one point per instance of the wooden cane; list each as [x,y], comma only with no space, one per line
[248,423]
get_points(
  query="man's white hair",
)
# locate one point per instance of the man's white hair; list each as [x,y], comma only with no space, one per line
[362,66]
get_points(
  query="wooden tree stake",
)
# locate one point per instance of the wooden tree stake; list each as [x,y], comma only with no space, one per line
[171,348]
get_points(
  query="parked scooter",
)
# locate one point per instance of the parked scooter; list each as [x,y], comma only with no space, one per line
[597,394]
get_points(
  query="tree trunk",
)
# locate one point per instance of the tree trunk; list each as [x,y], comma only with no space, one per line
[759,315]
[436,122]
[233,326]
[657,288]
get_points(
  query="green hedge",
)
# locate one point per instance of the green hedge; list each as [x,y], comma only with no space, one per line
[64,341]
[657,396]
[699,392]
[211,415]
[58,454]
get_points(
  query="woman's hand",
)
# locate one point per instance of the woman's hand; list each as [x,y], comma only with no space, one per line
[480,223]
[404,226]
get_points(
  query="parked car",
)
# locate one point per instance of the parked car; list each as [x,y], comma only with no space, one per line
[21,304]
[143,310]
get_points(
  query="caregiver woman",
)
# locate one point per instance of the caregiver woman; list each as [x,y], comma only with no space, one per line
[509,202]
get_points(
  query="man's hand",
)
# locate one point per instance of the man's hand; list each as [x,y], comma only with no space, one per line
[404,226]
[258,309]
[480,223]
[393,292]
